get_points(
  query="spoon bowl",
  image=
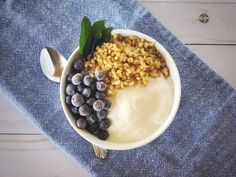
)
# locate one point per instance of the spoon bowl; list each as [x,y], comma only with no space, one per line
[52,63]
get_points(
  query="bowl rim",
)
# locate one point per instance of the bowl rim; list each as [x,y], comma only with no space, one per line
[126,146]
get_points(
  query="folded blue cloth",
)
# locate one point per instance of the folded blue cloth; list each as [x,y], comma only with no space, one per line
[200,142]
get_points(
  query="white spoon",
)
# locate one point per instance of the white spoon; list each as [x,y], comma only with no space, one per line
[53,64]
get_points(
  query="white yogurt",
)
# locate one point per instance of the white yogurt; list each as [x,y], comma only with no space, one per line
[137,112]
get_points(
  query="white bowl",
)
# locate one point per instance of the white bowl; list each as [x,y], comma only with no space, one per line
[174,74]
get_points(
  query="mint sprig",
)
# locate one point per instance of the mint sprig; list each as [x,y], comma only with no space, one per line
[92,35]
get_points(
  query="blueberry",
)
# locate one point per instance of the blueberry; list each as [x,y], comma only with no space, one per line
[77,100]
[101,86]
[102,134]
[104,123]
[87,92]
[93,128]
[77,79]
[84,72]
[99,75]
[93,86]
[90,101]
[74,110]
[84,110]
[99,95]
[96,131]
[68,100]
[79,88]
[87,80]
[70,89]
[69,77]
[101,115]
[92,118]
[81,123]
[98,105]
[108,104]
[78,64]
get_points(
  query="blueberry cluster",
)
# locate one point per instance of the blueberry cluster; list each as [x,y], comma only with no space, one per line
[85,97]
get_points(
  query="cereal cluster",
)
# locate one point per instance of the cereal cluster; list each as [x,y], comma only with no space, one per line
[127,61]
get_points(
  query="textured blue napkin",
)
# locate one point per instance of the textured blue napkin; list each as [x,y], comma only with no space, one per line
[200,142]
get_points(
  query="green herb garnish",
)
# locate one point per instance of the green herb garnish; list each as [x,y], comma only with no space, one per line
[92,35]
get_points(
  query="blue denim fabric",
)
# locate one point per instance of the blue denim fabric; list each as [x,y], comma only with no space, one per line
[200,142]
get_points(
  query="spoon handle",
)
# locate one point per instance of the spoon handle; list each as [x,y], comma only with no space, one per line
[100,152]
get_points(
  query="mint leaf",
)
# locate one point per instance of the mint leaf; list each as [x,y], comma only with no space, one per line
[89,44]
[106,36]
[98,27]
[85,33]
